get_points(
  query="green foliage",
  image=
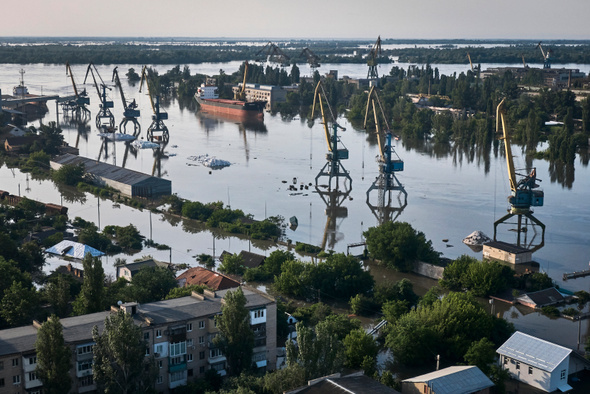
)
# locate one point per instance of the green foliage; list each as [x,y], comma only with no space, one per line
[320,353]
[359,344]
[150,284]
[285,379]
[482,277]
[447,327]
[58,293]
[398,245]
[583,297]
[19,304]
[313,314]
[53,357]
[232,264]
[431,296]
[482,354]
[551,311]
[393,310]
[537,281]
[206,260]
[235,337]
[302,247]
[272,266]
[120,364]
[362,305]
[570,312]
[127,237]
[91,297]
[178,292]
[339,276]
[69,174]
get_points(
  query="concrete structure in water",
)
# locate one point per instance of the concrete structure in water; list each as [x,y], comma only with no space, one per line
[505,252]
[179,334]
[130,183]
[270,93]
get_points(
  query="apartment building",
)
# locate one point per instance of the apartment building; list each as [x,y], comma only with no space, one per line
[179,334]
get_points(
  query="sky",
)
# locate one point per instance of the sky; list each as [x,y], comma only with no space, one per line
[337,19]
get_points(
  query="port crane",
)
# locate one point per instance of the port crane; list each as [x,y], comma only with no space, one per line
[272,51]
[241,94]
[78,105]
[131,112]
[524,193]
[473,69]
[104,117]
[372,74]
[389,164]
[546,56]
[312,59]
[333,167]
[157,130]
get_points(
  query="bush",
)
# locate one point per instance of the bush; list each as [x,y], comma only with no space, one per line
[69,174]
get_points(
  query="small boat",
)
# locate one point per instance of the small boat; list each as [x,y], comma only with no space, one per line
[293,222]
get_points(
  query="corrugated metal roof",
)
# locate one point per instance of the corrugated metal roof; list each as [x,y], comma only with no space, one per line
[455,380]
[108,171]
[534,351]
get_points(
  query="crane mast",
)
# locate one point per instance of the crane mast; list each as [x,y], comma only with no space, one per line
[386,182]
[546,56]
[157,131]
[78,105]
[523,191]
[333,167]
[131,113]
[104,117]
[241,94]
[373,74]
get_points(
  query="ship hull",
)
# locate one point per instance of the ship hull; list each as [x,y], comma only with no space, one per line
[237,108]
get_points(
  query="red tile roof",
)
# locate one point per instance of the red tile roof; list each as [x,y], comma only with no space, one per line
[203,276]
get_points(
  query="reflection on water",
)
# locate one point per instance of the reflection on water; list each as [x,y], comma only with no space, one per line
[563,174]
[334,211]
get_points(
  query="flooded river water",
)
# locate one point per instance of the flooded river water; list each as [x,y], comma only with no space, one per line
[451,193]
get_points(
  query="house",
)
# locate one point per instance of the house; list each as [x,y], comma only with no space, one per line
[462,379]
[541,298]
[251,260]
[536,362]
[505,252]
[356,383]
[203,276]
[127,182]
[179,334]
[129,270]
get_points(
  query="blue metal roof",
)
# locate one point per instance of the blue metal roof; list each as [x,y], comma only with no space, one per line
[534,351]
[454,380]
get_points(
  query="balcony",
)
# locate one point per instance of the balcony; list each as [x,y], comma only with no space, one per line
[177,367]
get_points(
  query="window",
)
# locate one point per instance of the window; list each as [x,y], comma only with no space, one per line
[32,376]
[146,336]
[84,365]
[189,358]
[530,370]
[506,360]
[85,381]
[189,327]
[176,360]
[190,372]
[85,349]
[215,353]
[518,365]
[563,374]
[1,382]
[259,313]
[175,376]
[202,324]
[147,350]
[160,379]
[159,363]
[201,369]
[15,362]
[201,355]
[189,342]
[201,340]
[16,379]
[177,349]
[158,333]
[1,365]
[159,348]
[33,360]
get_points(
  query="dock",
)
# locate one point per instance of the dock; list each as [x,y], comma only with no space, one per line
[576,274]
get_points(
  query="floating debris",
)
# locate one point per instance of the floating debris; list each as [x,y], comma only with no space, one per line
[210,161]
[142,144]
[476,238]
[117,136]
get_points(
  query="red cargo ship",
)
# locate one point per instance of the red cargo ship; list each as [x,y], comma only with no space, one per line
[209,100]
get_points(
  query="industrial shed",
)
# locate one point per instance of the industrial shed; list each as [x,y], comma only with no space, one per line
[128,182]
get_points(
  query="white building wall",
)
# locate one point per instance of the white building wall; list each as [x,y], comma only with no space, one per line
[556,376]
[539,378]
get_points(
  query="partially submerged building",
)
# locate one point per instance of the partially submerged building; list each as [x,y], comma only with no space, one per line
[507,253]
[461,379]
[128,182]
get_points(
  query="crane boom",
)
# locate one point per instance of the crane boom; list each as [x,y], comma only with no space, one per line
[501,121]
[241,94]
[470,63]
[144,76]
[317,98]
[71,75]
[91,71]
[117,82]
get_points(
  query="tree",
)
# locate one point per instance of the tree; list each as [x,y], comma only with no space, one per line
[151,284]
[53,357]
[235,338]
[481,354]
[398,245]
[91,298]
[120,363]
[359,344]
[58,294]
[232,264]
[69,174]
[19,304]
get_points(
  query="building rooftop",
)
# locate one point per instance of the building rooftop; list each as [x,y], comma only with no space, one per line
[108,171]
[544,297]
[534,351]
[506,247]
[461,379]
[203,276]
[356,383]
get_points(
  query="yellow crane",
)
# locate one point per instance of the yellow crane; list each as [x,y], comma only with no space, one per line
[241,94]
[104,117]
[372,74]
[546,56]
[333,167]
[524,192]
[78,105]
[157,132]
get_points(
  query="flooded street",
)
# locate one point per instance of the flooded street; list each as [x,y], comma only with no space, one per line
[451,193]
